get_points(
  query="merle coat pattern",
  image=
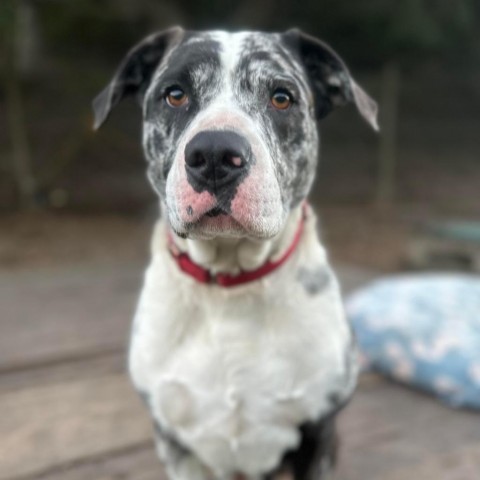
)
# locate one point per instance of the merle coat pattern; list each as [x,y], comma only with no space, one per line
[242,382]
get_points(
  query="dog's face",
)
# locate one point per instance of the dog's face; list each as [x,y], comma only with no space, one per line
[229,127]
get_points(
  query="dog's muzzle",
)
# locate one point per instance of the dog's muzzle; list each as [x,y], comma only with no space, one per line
[216,161]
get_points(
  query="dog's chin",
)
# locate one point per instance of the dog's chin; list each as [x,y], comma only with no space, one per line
[222,225]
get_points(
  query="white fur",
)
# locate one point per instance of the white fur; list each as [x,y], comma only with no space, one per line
[231,373]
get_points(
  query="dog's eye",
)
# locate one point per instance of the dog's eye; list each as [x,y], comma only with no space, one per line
[281,99]
[176,97]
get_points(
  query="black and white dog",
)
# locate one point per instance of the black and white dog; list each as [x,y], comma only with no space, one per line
[240,346]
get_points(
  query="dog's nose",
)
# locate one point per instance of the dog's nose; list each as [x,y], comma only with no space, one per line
[215,160]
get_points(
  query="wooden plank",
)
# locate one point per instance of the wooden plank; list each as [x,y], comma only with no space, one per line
[80,429]
[66,371]
[62,314]
[49,315]
[388,427]
[462,464]
[142,464]
[134,464]
[70,415]
[47,426]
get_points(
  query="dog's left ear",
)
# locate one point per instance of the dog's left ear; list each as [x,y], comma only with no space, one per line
[330,79]
[134,72]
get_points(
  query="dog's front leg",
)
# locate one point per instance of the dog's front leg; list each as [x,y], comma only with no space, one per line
[284,475]
[179,462]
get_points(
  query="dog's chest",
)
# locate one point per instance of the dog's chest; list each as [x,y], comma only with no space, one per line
[233,378]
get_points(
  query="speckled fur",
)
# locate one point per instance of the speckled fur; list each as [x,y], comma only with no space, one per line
[236,73]
[242,383]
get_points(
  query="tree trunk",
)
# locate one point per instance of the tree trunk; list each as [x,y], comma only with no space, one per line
[387,160]
[21,156]
[27,40]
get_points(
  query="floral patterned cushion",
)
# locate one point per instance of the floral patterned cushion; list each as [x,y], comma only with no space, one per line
[423,330]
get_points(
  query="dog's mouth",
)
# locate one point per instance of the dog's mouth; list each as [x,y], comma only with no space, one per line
[216,211]
[216,222]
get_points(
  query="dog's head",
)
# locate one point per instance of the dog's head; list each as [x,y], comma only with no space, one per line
[229,127]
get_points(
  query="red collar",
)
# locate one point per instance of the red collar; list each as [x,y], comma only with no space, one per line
[202,275]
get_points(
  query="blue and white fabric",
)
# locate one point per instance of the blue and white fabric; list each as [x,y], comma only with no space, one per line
[423,330]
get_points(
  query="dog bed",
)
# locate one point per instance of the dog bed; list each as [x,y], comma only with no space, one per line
[422,330]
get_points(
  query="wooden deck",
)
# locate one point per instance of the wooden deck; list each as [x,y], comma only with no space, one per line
[68,411]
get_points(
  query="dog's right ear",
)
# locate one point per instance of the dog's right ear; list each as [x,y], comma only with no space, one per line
[330,78]
[135,72]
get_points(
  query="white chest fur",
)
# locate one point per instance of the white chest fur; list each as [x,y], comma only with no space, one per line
[233,372]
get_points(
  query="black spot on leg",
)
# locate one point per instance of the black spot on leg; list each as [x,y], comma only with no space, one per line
[164,436]
[145,396]
[338,401]
[189,210]
[316,453]
[158,429]
[314,280]
[160,433]
[335,399]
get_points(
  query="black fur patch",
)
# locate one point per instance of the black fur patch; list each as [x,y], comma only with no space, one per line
[134,74]
[322,65]
[161,434]
[313,280]
[316,454]
[195,68]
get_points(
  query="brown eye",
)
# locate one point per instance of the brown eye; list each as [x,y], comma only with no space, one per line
[281,99]
[176,97]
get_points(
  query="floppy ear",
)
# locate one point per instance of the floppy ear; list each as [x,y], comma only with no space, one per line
[329,77]
[134,73]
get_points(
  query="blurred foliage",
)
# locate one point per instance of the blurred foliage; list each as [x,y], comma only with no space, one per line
[377,30]
[6,13]
[7,17]
[369,31]
[75,44]
[78,26]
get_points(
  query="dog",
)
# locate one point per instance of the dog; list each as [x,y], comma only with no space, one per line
[239,346]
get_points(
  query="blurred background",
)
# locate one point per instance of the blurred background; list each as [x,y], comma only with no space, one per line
[418,58]
[76,213]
